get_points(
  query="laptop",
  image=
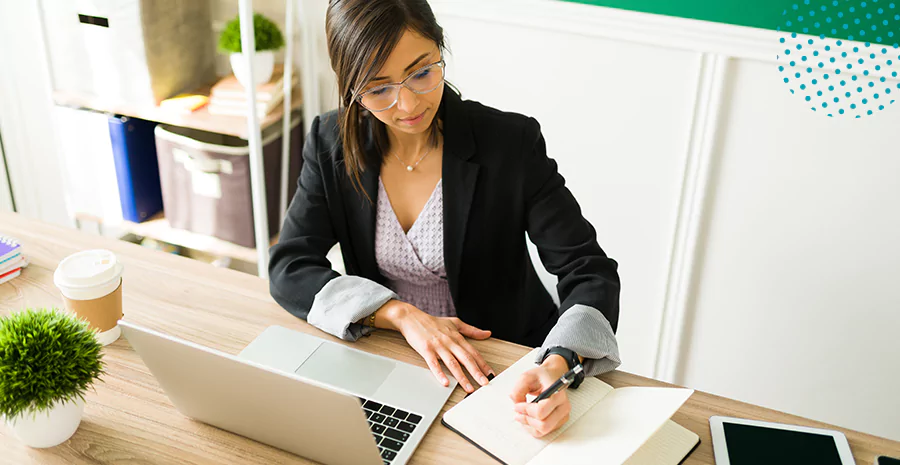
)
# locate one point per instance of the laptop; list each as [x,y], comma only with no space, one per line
[299,393]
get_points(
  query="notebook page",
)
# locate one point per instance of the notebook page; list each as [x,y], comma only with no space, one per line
[487,416]
[667,447]
[614,430]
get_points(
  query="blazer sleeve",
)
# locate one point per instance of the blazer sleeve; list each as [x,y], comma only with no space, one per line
[588,281]
[301,279]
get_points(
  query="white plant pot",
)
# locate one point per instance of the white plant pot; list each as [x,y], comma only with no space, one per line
[263,64]
[49,428]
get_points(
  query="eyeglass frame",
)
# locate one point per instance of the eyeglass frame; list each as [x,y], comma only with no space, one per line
[403,84]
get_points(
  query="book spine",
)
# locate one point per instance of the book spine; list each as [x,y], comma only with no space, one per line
[9,272]
[117,135]
[9,276]
[9,260]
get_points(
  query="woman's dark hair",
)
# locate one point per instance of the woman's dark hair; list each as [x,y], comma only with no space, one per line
[361,35]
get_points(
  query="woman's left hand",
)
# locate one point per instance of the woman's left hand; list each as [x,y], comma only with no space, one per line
[549,414]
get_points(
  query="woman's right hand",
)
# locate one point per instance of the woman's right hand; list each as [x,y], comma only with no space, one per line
[438,339]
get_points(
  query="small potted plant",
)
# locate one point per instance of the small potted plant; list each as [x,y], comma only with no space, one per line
[268,40]
[48,360]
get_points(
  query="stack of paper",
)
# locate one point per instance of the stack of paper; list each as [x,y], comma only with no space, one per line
[12,260]
[228,96]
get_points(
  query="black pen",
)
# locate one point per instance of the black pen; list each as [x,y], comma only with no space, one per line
[562,382]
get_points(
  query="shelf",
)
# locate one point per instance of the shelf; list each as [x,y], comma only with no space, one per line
[199,119]
[159,229]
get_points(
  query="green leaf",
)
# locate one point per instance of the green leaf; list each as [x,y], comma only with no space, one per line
[46,357]
[266,33]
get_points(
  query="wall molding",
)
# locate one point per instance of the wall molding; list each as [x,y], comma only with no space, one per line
[658,31]
[622,25]
[712,75]
[717,45]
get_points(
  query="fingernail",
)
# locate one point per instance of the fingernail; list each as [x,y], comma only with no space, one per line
[490,376]
[483,380]
[469,387]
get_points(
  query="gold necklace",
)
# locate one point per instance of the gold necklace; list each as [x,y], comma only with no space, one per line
[410,168]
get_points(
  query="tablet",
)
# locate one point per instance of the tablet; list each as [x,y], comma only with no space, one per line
[749,442]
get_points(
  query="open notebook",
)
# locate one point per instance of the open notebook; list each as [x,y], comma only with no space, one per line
[625,426]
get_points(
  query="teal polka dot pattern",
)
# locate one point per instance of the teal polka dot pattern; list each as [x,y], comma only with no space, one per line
[871,60]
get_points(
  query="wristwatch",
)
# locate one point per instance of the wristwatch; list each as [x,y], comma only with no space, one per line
[370,320]
[571,360]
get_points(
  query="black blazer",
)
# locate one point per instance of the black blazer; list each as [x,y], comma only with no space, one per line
[498,184]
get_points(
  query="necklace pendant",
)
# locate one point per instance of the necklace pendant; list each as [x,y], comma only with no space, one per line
[409,168]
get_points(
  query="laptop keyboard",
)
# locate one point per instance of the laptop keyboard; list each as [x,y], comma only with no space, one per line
[391,427]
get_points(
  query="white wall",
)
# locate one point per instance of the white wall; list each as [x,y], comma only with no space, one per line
[596,123]
[757,239]
[25,115]
[797,299]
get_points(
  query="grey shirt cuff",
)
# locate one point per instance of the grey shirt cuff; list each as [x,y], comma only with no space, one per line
[586,331]
[345,300]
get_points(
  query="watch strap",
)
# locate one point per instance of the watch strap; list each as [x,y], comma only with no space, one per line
[571,360]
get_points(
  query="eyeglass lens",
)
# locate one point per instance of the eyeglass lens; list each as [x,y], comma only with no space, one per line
[425,80]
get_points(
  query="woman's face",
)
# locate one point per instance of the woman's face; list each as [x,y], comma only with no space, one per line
[413,113]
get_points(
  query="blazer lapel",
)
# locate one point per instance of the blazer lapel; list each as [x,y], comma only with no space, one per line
[361,213]
[365,221]
[460,178]
[459,186]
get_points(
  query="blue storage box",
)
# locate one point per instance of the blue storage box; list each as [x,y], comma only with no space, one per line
[137,171]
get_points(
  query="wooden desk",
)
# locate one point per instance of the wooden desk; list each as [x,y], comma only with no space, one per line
[129,419]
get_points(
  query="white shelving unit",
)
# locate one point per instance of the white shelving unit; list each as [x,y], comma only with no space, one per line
[252,128]
[309,88]
[254,137]
[257,173]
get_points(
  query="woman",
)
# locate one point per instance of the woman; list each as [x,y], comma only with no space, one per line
[430,197]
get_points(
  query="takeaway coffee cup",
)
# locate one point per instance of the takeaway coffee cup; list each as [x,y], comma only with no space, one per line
[91,285]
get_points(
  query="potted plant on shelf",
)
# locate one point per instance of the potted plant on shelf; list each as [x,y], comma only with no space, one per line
[48,360]
[268,39]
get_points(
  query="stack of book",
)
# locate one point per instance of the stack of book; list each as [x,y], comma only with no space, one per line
[12,260]
[228,96]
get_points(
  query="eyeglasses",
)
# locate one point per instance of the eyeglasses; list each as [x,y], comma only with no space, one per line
[421,81]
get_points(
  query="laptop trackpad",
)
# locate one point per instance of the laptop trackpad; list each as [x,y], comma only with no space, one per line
[345,368]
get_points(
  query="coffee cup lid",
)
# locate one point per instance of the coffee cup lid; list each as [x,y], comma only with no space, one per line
[88,269]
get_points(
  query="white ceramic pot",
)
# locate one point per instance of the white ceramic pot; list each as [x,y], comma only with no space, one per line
[49,428]
[263,64]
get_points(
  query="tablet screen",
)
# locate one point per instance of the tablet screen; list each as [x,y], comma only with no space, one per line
[754,445]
